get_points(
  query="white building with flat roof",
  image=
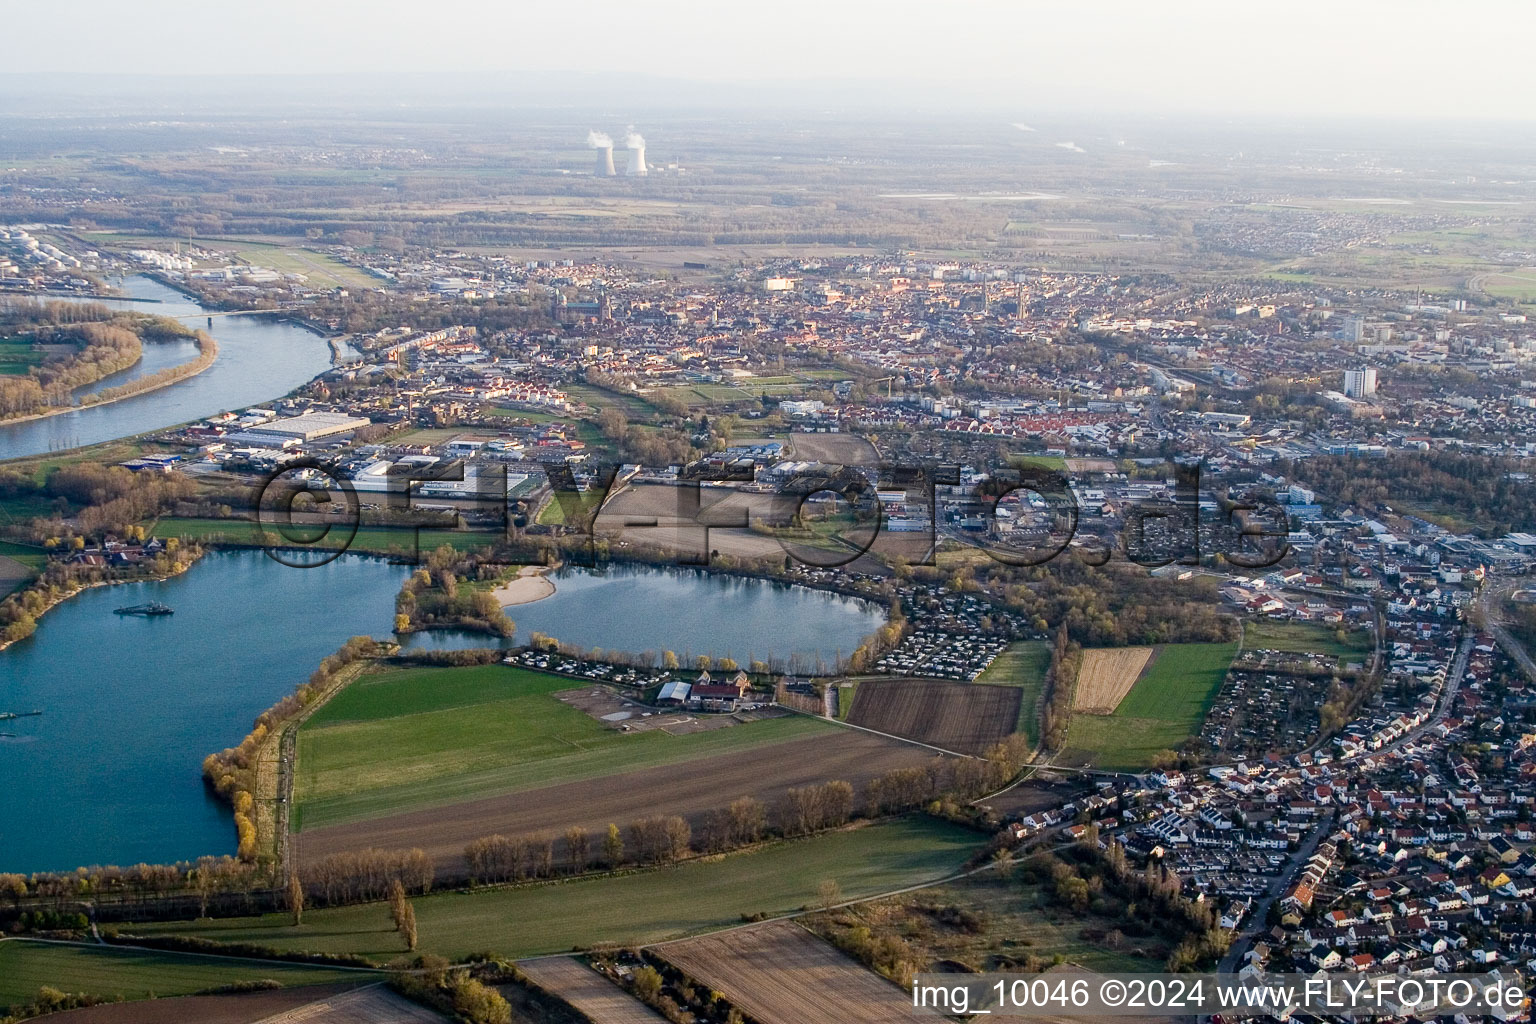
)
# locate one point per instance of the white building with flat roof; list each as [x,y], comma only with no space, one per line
[310,425]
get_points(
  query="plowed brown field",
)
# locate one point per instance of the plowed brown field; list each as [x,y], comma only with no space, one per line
[779,973]
[963,717]
[601,1000]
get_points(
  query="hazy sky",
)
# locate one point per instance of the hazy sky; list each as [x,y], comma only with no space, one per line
[1395,57]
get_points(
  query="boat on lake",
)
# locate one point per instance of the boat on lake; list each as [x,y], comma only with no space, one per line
[153,608]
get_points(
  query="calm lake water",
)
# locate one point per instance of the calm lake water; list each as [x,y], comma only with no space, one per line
[629,608]
[110,773]
[259,359]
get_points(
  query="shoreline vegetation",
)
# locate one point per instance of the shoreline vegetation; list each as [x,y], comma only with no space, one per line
[75,345]
[42,596]
[207,354]
[453,590]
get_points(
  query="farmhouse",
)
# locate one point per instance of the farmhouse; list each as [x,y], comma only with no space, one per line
[674,693]
[714,696]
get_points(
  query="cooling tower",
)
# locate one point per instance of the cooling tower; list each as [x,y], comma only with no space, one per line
[636,162]
[604,168]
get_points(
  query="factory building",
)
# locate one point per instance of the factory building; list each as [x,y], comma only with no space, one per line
[308,427]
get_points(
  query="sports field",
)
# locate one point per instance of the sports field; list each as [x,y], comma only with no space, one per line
[639,907]
[405,739]
[1163,709]
[1304,637]
[135,974]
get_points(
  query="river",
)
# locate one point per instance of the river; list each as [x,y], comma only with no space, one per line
[110,772]
[260,358]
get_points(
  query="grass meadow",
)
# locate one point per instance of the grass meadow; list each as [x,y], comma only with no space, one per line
[403,739]
[1163,709]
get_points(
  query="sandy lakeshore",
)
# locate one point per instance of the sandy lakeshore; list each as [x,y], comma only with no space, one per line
[530,585]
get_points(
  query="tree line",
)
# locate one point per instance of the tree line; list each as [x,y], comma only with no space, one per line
[1059,690]
[745,821]
[433,597]
[231,773]
[1492,494]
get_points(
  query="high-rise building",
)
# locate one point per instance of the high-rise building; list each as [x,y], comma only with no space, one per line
[1360,383]
[1352,330]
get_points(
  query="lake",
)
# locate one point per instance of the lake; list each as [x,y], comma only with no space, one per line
[260,359]
[631,608]
[111,772]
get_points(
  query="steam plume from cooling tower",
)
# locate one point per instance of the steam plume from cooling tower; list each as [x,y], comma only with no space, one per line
[604,146]
[635,143]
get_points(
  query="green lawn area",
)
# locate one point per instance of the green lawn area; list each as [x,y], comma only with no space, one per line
[418,737]
[1163,709]
[376,539]
[1020,461]
[17,356]
[133,974]
[31,557]
[1024,665]
[635,407]
[1303,637]
[25,507]
[845,694]
[641,907]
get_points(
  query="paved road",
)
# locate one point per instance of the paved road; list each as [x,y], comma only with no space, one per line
[1243,941]
[1258,916]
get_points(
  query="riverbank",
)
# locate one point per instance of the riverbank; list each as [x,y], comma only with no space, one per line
[207,355]
[532,583]
[197,551]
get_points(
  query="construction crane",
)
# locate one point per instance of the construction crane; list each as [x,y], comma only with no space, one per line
[883,380]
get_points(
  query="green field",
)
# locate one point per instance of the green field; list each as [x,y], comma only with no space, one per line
[1024,665]
[19,565]
[18,356]
[373,539]
[634,908]
[1164,708]
[1019,461]
[408,738]
[1304,637]
[135,974]
[33,558]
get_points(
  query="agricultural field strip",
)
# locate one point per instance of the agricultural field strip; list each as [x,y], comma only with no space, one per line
[635,908]
[1023,664]
[371,1005]
[1106,676]
[592,993]
[952,715]
[443,830]
[1165,707]
[342,778]
[779,973]
[28,964]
